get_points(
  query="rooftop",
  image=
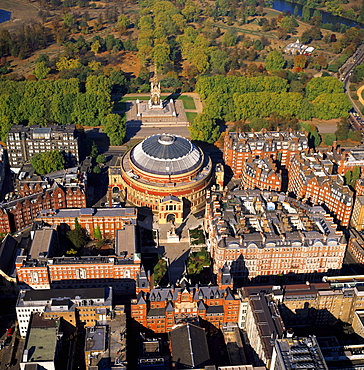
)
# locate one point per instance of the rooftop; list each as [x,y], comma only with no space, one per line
[95,340]
[263,219]
[41,341]
[42,243]
[189,346]
[300,354]
[166,154]
[96,212]
[125,241]
[48,294]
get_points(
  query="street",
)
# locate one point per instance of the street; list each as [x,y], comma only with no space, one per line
[143,131]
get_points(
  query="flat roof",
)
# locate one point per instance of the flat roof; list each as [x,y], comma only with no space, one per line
[125,241]
[48,294]
[96,212]
[95,338]
[41,344]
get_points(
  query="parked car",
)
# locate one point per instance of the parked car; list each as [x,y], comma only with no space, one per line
[10,331]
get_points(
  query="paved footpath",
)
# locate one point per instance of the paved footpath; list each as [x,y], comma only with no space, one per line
[359,93]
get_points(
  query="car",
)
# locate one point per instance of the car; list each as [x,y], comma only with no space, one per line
[10,331]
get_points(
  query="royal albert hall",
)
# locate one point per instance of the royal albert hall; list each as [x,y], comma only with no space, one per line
[161,167]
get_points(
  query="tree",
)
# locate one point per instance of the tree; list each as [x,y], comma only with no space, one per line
[191,12]
[323,85]
[328,106]
[343,128]
[97,233]
[96,170]
[47,162]
[161,55]
[329,139]
[123,24]
[321,61]
[95,47]
[347,177]
[115,127]
[100,159]
[274,61]
[257,123]
[306,13]
[229,39]
[355,175]
[300,61]
[218,60]
[41,70]
[281,33]
[355,136]
[68,63]
[94,150]
[289,24]
[204,128]
[77,236]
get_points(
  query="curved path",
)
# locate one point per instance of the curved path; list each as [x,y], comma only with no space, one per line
[359,93]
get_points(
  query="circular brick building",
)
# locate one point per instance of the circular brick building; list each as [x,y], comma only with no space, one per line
[165,172]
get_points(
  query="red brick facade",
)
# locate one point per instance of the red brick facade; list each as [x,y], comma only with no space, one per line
[85,272]
[272,235]
[311,178]
[19,213]
[108,219]
[260,174]
[279,146]
[163,308]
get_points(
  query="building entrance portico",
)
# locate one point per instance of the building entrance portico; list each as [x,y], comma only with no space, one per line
[168,204]
[171,217]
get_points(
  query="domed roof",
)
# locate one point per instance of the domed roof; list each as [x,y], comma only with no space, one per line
[166,154]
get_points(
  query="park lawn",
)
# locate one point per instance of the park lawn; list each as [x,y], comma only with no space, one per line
[191,116]
[129,98]
[188,102]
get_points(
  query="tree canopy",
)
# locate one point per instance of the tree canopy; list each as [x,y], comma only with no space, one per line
[47,162]
[204,128]
[274,61]
[77,236]
[63,101]
[232,98]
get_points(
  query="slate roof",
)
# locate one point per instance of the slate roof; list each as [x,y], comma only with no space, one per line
[156,312]
[189,346]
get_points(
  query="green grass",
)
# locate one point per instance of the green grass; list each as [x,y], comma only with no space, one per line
[188,102]
[129,98]
[191,116]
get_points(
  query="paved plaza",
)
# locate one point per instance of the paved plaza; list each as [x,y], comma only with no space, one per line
[157,119]
[177,252]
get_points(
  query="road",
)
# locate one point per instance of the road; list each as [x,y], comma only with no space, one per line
[345,72]
[143,131]
[347,69]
